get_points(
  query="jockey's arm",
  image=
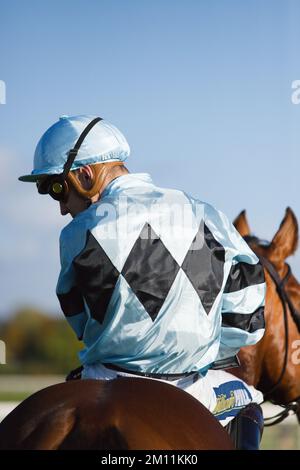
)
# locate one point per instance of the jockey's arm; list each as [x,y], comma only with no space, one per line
[242,308]
[243,296]
[69,296]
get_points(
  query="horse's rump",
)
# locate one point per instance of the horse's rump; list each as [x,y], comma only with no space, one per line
[126,413]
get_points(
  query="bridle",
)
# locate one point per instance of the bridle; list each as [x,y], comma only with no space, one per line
[294,405]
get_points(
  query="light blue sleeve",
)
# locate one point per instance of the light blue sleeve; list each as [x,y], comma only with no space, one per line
[244,289]
[71,300]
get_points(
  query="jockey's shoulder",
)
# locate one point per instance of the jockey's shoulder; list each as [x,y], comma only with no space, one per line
[210,212]
[193,200]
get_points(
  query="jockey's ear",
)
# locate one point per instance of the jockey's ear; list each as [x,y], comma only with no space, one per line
[285,241]
[241,224]
[86,176]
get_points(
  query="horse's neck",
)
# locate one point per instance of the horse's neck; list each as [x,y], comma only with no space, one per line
[273,347]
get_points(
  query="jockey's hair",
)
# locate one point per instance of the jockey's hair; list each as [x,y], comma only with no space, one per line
[100,173]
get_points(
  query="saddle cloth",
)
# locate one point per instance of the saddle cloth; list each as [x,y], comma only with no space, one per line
[223,394]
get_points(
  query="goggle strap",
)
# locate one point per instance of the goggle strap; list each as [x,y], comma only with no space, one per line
[74,151]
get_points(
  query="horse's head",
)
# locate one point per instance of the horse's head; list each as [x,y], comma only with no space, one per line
[269,355]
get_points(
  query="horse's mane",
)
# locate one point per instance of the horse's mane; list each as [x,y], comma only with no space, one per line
[251,238]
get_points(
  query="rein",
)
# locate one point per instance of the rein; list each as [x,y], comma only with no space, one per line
[280,283]
[293,406]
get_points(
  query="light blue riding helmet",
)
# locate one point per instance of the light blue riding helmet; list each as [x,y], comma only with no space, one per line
[104,143]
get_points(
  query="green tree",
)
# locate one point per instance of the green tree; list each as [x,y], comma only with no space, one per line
[37,343]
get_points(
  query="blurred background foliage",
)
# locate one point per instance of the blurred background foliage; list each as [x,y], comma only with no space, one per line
[38,344]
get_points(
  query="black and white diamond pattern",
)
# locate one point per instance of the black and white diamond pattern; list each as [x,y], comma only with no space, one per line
[150,270]
[96,277]
[204,265]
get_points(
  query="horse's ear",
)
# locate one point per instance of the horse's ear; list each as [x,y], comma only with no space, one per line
[241,224]
[285,241]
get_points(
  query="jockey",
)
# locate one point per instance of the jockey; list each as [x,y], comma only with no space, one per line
[156,283]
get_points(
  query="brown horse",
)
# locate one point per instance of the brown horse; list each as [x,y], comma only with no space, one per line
[125,413]
[263,364]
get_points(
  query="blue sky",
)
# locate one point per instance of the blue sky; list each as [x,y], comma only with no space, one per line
[200,88]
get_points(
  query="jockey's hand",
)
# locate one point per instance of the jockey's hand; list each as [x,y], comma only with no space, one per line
[74,374]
